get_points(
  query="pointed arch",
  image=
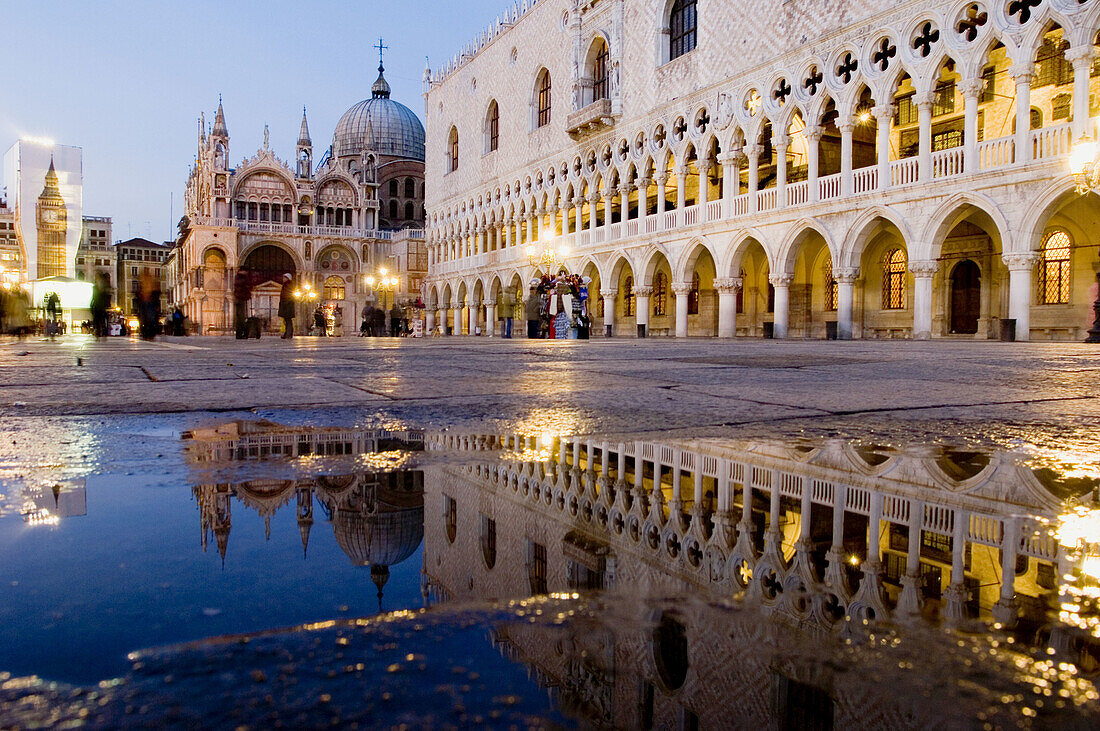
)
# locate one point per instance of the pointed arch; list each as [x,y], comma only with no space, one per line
[730,263]
[948,214]
[787,252]
[683,267]
[855,240]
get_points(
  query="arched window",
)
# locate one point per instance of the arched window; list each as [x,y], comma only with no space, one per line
[628,297]
[542,101]
[410,188]
[334,288]
[682,26]
[488,541]
[393,210]
[660,288]
[452,146]
[601,88]
[492,127]
[693,295]
[830,285]
[894,266]
[410,213]
[393,188]
[1054,268]
[450,512]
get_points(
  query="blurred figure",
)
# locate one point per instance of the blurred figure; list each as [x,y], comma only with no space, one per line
[242,293]
[177,322]
[101,302]
[319,324]
[286,306]
[53,314]
[148,306]
[368,316]
[396,315]
[533,310]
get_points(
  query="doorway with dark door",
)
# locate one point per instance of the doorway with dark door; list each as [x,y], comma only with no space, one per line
[966,297]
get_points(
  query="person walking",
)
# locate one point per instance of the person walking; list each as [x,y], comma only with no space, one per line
[242,293]
[532,311]
[286,306]
[508,304]
[368,316]
[319,322]
[149,310]
[100,303]
[396,315]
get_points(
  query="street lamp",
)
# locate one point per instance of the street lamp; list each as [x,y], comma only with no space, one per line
[546,256]
[384,283]
[1085,167]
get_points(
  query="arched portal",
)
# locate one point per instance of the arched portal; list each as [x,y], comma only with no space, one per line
[966,297]
[266,266]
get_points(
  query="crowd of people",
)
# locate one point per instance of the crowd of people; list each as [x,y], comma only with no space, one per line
[557,308]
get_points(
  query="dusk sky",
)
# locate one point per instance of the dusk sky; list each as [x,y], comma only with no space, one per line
[126,81]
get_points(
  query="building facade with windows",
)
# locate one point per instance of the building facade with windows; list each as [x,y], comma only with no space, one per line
[11,253]
[138,257]
[96,254]
[329,224]
[845,167]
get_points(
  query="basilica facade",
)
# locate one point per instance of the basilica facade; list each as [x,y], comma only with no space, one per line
[826,169]
[330,224]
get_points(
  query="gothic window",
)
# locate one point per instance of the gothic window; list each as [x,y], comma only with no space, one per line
[1054,268]
[334,288]
[830,285]
[989,85]
[693,295]
[492,124]
[600,84]
[944,100]
[1060,106]
[488,541]
[894,266]
[628,297]
[452,145]
[543,109]
[660,288]
[1053,68]
[410,188]
[682,28]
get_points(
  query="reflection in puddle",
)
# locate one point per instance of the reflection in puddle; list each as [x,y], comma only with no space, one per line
[824,584]
[48,504]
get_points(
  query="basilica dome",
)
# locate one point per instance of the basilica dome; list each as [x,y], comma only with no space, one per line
[379,124]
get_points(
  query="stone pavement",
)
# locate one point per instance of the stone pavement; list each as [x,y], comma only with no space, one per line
[1010,393]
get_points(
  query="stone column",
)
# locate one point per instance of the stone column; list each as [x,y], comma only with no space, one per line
[954,599]
[845,298]
[624,208]
[1019,291]
[608,311]
[704,187]
[642,184]
[782,284]
[661,179]
[578,206]
[753,153]
[780,142]
[731,179]
[1004,611]
[681,187]
[846,126]
[971,89]
[641,309]
[924,102]
[490,317]
[457,314]
[834,570]
[1021,73]
[429,322]
[911,600]
[813,153]
[727,305]
[442,317]
[1081,58]
[884,116]
[923,273]
[593,205]
[681,290]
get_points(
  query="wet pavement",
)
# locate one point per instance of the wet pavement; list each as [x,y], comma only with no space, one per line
[556,534]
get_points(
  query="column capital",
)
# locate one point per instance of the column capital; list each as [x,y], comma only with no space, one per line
[728,285]
[813,134]
[682,171]
[624,189]
[703,166]
[578,201]
[681,289]
[781,140]
[781,280]
[1080,56]
[1020,261]
[642,183]
[923,269]
[846,275]
[754,151]
[1022,72]
[489,303]
[971,88]
[608,293]
[595,197]
[643,291]
[660,179]
[883,111]
[729,158]
[924,99]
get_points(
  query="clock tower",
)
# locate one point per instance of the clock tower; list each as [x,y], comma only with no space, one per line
[52,225]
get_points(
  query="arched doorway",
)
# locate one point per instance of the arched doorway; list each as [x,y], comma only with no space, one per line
[966,297]
[266,265]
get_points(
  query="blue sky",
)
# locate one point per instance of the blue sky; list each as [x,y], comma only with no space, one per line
[126,80]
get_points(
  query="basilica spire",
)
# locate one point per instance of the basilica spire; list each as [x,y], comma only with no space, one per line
[303,134]
[220,130]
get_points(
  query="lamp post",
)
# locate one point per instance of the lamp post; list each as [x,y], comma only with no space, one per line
[384,283]
[1085,167]
[308,295]
[547,256]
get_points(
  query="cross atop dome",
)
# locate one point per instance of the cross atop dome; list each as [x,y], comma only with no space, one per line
[381,88]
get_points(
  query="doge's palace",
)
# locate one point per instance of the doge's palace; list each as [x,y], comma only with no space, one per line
[794,168]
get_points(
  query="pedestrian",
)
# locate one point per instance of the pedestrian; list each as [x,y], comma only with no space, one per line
[148,306]
[242,293]
[100,303]
[508,303]
[396,314]
[286,306]
[53,314]
[319,324]
[177,322]
[368,316]
[532,311]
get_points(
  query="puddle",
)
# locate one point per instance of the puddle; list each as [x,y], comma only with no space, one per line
[394,576]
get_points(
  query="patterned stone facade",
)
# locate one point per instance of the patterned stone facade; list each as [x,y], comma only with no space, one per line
[847,167]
